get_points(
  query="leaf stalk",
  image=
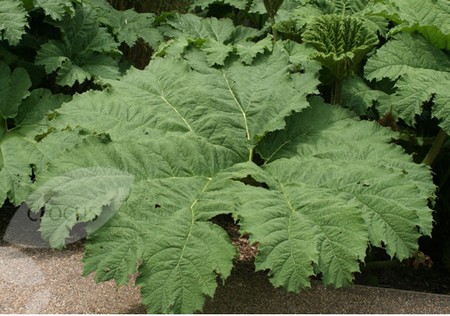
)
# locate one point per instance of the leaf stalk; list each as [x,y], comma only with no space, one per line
[435,148]
[336,94]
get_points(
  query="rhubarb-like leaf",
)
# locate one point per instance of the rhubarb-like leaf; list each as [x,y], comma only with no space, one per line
[128,25]
[56,9]
[424,75]
[218,38]
[232,107]
[13,19]
[37,105]
[358,96]
[85,50]
[429,18]
[336,139]
[13,89]
[96,189]
[162,225]
[17,155]
[22,157]
[186,133]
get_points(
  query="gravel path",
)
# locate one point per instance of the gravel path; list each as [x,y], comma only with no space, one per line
[50,281]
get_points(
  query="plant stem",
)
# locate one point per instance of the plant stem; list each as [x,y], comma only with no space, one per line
[5,124]
[435,148]
[336,93]
[250,155]
[274,31]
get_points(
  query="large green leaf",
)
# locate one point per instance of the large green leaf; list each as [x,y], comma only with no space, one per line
[17,155]
[13,19]
[56,9]
[186,133]
[96,189]
[37,105]
[128,25]
[424,75]
[162,225]
[345,145]
[427,17]
[13,89]
[306,222]
[358,96]
[85,50]
[232,106]
[22,157]
[217,37]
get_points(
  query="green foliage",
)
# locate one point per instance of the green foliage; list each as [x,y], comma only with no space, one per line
[85,50]
[272,6]
[128,26]
[218,38]
[422,71]
[323,196]
[307,11]
[313,171]
[148,158]
[429,18]
[56,9]
[358,96]
[13,89]
[341,42]
[14,20]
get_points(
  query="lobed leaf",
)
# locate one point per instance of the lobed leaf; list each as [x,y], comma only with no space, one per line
[56,9]
[17,155]
[13,89]
[161,225]
[13,17]
[429,18]
[185,133]
[94,189]
[305,223]
[230,107]
[85,50]
[22,158]
[344,148]
[358,96]
[217,37]
[128,26]
[37,105]
[422,73]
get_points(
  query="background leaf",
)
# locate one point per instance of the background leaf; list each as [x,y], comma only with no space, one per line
[56,9]
[429,18]
[13,89]
[423,71]
[13,19]
[85,50]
